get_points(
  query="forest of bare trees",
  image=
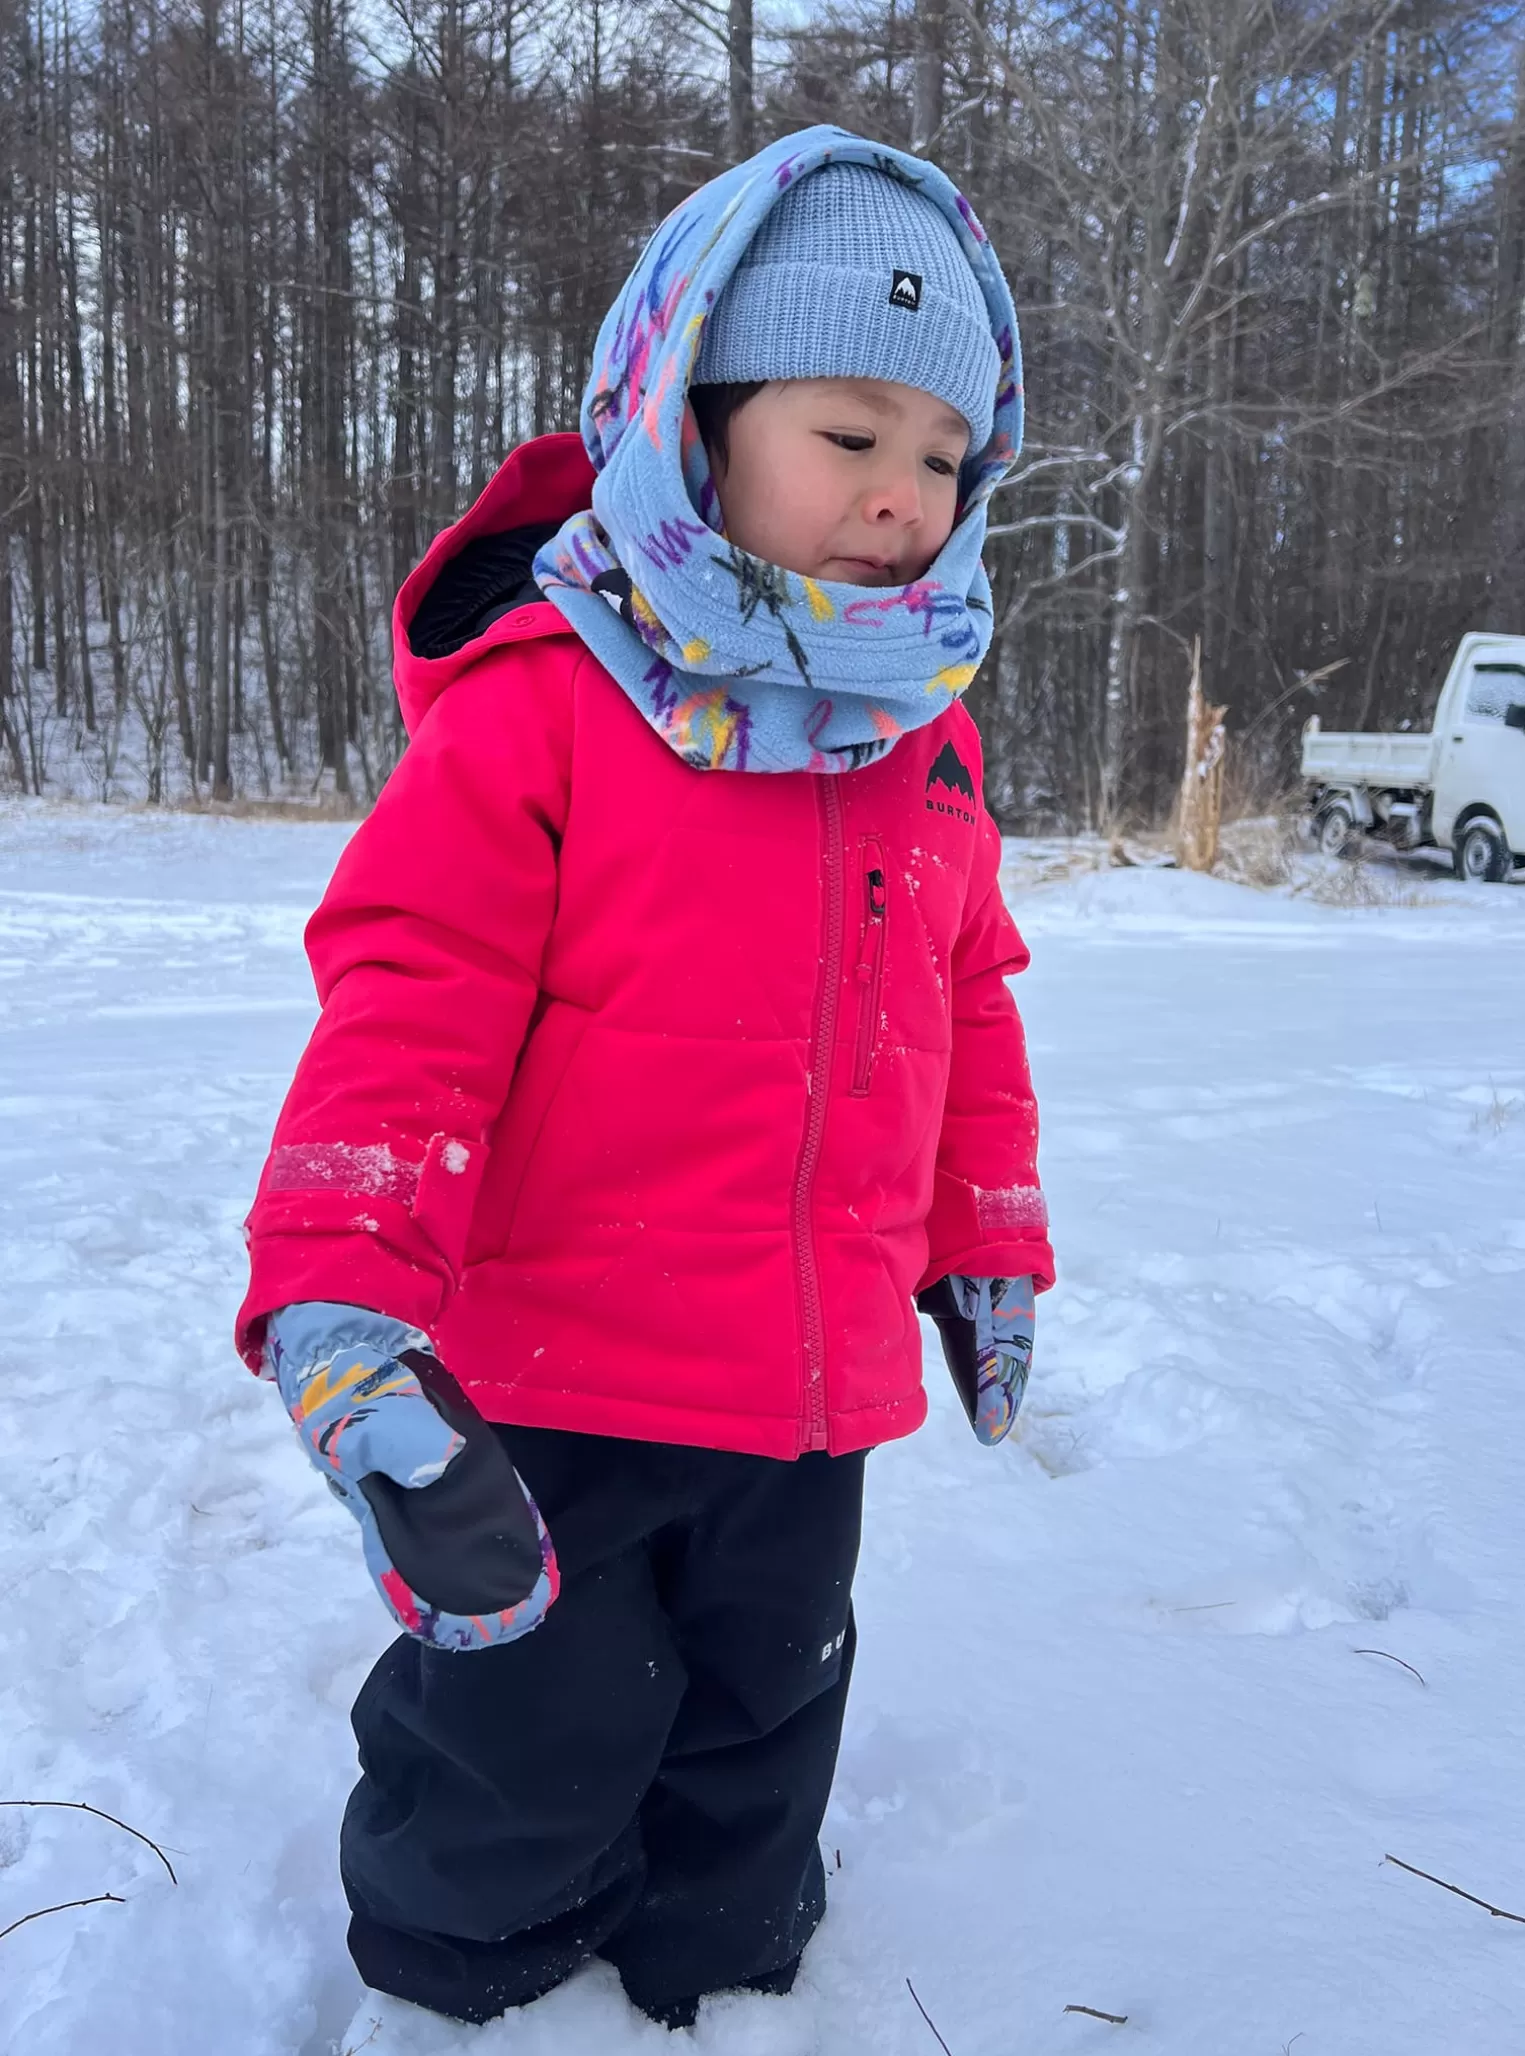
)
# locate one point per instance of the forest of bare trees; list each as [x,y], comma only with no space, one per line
[282,280]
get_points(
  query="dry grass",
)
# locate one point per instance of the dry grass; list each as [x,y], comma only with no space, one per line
[1145,851]
[1054,862]
[323,806]
[1271,853]
[1346,882]
[1265,852]
[1500,1111]
[1359,881]
[1258,852]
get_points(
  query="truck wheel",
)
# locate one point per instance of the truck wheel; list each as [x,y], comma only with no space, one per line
[1334,831]
[1481,855]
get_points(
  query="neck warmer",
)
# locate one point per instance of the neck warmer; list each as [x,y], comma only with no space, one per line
[739,664]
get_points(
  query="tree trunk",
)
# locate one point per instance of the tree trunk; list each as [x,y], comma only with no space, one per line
[740,118]
[931,62]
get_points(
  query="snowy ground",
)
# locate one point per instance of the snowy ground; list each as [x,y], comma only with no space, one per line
[1113,1742]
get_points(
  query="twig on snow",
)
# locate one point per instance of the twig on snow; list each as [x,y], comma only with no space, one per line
[84,1806]
[1497,1911]
[1117,2019]
[931,2023]
[100,1899]
[1391,1659]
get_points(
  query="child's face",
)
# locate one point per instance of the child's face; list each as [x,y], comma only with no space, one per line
[851,479]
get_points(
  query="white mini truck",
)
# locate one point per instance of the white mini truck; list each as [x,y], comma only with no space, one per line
[1460,788]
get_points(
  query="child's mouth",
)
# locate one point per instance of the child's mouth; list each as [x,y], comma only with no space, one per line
[866,570]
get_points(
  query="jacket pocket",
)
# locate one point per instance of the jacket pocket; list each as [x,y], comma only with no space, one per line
[870,968]
[549,1054]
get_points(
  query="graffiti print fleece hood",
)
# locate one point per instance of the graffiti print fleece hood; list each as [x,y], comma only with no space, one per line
[737,663]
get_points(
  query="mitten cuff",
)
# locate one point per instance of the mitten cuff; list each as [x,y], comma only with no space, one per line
[314,1331]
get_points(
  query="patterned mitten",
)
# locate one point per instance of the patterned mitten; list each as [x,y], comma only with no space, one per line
[452,1539]
[986,1326]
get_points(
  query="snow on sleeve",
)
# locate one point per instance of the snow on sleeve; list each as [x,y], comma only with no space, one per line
[1011,1207]
[370,1168]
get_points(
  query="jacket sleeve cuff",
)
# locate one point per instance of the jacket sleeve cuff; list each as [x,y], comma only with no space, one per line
[355,1269]
[986,1232]
[1006,1259]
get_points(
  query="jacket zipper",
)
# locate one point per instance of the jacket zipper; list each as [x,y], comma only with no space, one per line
[813,1428]
[870,961]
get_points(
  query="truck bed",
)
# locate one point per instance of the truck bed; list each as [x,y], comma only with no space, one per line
[1388,760]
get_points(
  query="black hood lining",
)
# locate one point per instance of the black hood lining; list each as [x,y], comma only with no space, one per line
[487,579]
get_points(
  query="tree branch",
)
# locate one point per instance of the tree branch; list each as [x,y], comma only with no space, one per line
[1497,1911]
[83,1806]
[100,1899]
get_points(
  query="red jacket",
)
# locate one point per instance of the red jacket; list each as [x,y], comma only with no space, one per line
[652,1093]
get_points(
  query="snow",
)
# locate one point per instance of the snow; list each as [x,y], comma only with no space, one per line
[1113,1742]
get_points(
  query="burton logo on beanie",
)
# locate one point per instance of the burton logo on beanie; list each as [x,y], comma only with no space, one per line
[905,290]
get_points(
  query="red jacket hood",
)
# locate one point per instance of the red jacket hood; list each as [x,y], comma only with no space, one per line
[544,480]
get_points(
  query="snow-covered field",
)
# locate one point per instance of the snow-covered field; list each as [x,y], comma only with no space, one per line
[1114,1740]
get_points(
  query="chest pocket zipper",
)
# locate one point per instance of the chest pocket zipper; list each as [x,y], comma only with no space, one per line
[870,968]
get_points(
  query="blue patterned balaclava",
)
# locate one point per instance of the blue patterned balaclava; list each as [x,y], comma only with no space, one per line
[822,256]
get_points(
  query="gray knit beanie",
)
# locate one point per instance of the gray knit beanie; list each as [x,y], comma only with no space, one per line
[854,274]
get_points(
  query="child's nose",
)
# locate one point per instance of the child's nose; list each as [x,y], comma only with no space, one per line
[896,498]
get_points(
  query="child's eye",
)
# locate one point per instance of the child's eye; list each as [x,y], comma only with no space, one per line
[943,468]
[849,442]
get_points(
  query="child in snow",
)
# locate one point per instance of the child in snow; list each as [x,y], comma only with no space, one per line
[666,1056]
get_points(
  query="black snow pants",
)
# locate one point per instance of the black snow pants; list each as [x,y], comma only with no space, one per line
[642,1778]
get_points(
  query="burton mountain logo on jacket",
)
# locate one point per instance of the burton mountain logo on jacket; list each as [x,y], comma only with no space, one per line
[951,772]
[905,290]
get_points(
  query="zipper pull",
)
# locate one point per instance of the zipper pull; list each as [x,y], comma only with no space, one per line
[877,899]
